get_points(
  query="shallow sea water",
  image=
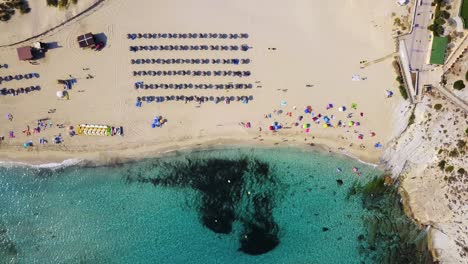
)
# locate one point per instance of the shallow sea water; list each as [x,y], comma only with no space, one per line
[167,210]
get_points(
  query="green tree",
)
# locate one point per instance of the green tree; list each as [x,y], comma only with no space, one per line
[444,14]
[439,21]
[439,30]
[459,85]
[441,164]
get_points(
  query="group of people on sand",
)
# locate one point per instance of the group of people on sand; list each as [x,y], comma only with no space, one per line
[326,120]
[41,126]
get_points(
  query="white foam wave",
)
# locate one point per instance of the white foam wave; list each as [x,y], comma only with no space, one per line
[65,163]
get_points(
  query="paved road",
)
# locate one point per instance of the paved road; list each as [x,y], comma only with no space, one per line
[452,97]
[418,43]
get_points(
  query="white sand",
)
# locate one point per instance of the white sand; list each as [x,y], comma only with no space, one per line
[320,44]
[41,19]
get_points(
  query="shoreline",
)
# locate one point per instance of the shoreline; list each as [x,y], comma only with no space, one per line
[61,158]
[143,145]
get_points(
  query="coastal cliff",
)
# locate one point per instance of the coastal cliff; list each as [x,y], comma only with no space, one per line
[429,160]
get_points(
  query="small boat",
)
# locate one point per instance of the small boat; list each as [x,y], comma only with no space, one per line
[339,170]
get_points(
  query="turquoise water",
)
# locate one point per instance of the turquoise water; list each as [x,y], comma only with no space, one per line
[216,206]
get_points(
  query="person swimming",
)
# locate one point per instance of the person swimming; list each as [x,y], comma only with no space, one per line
[356,171]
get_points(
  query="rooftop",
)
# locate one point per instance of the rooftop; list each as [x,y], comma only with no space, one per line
[86,40]
[25,53]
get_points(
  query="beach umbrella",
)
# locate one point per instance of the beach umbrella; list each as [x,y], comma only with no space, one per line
[351,123]
[326,119]
[307,130]
[325,125]
[60,94]
[354,105]
[283,103]
[342,109]
[271,128]
[357,124]
[360,136]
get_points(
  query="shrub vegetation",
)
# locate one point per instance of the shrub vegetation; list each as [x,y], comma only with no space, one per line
[8,9]
[459,85]
[61,3]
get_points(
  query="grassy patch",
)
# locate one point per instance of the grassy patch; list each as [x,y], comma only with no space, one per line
[439,46]
[464,13]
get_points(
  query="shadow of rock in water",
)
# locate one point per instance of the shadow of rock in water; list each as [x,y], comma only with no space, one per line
[8,250]
[391,236]
[243,190]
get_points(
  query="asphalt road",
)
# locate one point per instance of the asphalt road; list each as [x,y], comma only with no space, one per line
[419,42]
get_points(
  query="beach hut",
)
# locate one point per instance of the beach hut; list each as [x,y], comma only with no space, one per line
[86,41]
[25,53]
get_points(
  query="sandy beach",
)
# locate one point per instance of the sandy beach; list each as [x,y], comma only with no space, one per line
[322,54]
[308,57]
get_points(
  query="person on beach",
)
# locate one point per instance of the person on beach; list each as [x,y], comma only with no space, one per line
[10,117]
